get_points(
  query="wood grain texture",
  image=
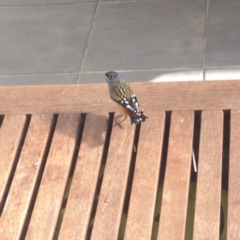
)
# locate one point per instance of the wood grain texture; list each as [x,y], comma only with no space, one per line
[10,135]
[54,179]
[19,197]
[83,187]
[95,97]
[112,194]
[233,220]
[208,196]
[177,176]
[145,182]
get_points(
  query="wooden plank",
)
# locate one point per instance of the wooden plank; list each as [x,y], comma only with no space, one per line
[145,182]
[112,194]
[208,196]
[177,176]
[19,198]
[233,220]
[10,135]
[50,195]
[95,97]
[83,187]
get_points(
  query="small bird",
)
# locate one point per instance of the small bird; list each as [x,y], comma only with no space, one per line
[124,98]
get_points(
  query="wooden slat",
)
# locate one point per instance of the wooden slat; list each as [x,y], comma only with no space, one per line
[95,97]
[83,187]
[233,220]
[111,199]
[16,208]
[177,176]
[49,198]
[10,135]
[208,196]
[145,182]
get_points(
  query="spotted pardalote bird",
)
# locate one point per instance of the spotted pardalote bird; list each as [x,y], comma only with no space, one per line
[124,97]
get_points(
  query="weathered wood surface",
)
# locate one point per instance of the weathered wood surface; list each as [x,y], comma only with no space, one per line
[111,199]
[95,97]
[49,199]
[145,182]
[84,181]
[233,230]
[34,173]
[177,177]
[23,184]
[10,136]
[208,196]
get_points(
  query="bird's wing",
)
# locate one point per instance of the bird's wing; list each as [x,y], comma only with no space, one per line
[131,104]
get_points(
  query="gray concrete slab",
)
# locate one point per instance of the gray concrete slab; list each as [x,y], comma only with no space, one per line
[223,35]
[44,39]
[47,41]
[47,79]
[147,35]
[40,2]
[145,76]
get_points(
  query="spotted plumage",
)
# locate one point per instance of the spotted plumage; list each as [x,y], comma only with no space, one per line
[122,94]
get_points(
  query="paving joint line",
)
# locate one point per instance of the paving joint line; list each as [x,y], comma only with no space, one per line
[205,39]
[88,41]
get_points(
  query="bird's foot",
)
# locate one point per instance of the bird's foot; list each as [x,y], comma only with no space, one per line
[118,122]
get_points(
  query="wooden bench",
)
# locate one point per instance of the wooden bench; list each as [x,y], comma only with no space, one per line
[67,172]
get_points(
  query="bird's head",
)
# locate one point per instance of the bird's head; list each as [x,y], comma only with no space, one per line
[112,77]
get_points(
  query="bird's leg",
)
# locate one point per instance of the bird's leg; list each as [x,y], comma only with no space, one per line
[118,121]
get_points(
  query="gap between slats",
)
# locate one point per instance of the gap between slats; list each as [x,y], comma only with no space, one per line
[163,159]
[1,120]
[225,175]
[192,186]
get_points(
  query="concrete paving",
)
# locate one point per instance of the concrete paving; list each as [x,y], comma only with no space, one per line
[76,41]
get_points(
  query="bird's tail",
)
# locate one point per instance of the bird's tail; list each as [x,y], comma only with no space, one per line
[138,119]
